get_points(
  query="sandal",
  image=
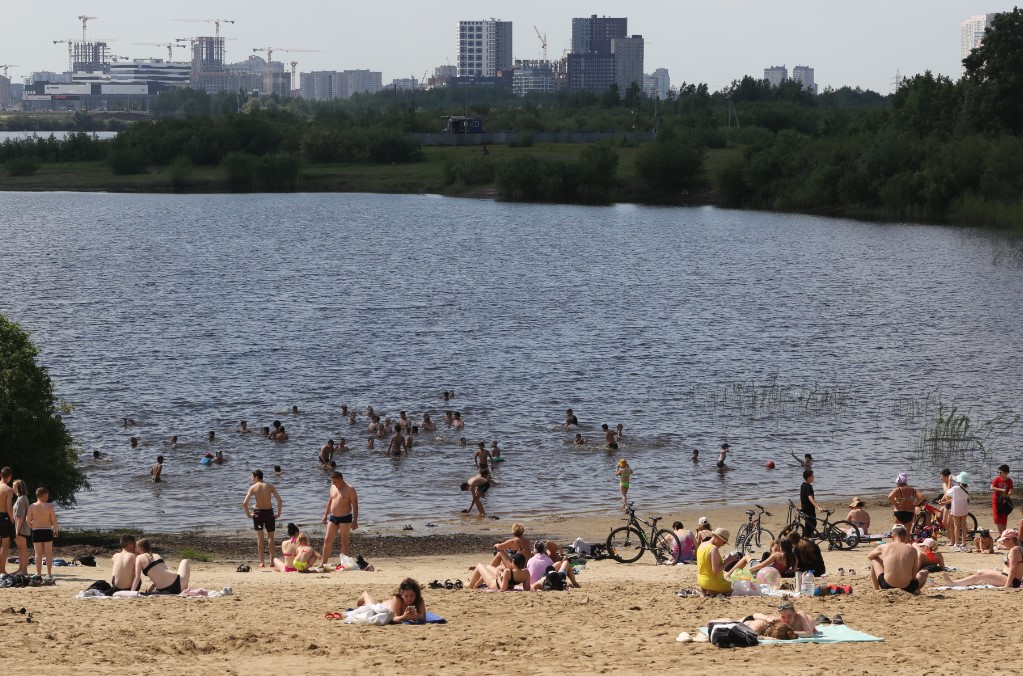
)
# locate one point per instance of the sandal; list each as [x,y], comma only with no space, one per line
[243,568]
[435,585]
[448,584]
[333,616]
[837,619]
[458,584]
[821,619]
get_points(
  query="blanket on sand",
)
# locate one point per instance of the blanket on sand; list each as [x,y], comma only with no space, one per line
[829,633]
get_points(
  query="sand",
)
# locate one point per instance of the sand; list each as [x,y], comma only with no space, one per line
[624,620]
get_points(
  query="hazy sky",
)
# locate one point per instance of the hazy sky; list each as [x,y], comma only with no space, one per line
[847,42]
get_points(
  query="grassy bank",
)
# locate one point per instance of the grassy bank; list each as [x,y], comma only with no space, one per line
[419,177]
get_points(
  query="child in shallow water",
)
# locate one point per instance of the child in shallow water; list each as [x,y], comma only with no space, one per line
[624,473]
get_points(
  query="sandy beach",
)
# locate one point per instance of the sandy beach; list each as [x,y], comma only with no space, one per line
[624,619]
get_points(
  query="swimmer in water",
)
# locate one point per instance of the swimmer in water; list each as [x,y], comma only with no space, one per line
[806,462]
[723,455]
[342,446]
[282,435]
[624,473]
[134,442]
[495,453]
[457,422]
[579,439]
[609,438]
[174,441]
[427,424]
[219,458]
[462,441]
[212,436]
[265,432]
[482,457]
[344,410]
[277,470]
[370,442]
[294,410]
[570,419]
[96,455]
[243,427]
[157,469]
[351,418]
[327,451]
[696,455]
[618,431]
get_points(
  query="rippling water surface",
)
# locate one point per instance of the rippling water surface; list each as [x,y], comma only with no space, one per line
[189,313]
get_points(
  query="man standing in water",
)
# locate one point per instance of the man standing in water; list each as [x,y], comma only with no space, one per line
[263,517]
[342,513]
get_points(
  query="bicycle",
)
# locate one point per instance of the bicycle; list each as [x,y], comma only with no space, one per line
[841,535]
[928,524]
[626,544]
[752,535]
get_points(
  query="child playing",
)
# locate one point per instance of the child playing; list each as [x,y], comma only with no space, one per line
[624,473]
[43,521]
[984,543]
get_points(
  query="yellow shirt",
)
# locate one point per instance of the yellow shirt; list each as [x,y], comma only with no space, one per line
[705,576]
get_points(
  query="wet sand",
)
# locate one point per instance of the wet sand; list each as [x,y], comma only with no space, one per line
[624,619]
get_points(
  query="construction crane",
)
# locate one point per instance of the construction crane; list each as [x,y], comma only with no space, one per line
[270,60]
[169,45]
[85,20]
[5,66]
[215,22]
[70,44]
[543,41]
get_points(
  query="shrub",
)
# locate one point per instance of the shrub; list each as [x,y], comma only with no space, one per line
[125,161]
[470,171]
[180,172]
[239,169]
[22,166]
[669,167]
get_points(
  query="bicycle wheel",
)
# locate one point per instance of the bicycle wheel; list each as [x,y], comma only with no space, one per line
[971,523]
[922,520]
[760,539]
[741,535]
[625,544]
[843,535]
[666,547]
[794,526]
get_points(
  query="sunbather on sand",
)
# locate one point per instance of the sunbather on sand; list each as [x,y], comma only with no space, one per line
[164,580]
[288,550]
[516,545]
[407,603]
[766,627]
[1009,576]
[501,578]
[305,555]
[800,623]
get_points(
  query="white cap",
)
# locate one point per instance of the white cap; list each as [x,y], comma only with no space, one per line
[703,521]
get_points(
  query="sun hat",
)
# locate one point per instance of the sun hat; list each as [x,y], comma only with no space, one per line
[930,543]
[856,502]
[963,478]
[723,533]
[1009,534]
[902,479]
[703,521]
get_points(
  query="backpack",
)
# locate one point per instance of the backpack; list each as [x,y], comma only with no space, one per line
[598,552]
[732,635]
[554,581]
[102,586]
[86,560]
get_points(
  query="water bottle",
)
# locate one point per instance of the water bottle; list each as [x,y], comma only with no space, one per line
[807,587]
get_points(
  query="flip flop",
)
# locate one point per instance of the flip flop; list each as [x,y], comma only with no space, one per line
[435,585]
[458,584]
[333,616]
[821,619]
[837,619]
[448,584]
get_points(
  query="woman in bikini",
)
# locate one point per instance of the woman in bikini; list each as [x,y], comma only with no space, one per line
[624,474]
[501,578]
[1011,575]
[305,555]
[859,517]
[288,549]
[931,560]
[406,603]
[516,545]
[904,500]
[782,558]
[164,580]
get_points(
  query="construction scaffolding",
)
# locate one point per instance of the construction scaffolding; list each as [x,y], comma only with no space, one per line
[90,57]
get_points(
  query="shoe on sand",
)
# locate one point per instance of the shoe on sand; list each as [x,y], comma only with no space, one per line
[821,619]
[684,637]
[837,619]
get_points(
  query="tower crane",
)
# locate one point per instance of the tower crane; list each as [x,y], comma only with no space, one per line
[85,20]
[70,43]
[169,45]
[5,66]
[270,60]
[215,22]
[543,41]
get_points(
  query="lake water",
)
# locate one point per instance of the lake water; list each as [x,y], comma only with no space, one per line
[689,326]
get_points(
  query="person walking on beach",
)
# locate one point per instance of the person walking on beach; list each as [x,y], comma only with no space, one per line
[958,500]
[477,485]
[6,515]
[263,517]
[1001,489]
[624,473]
[808,504]
[342,513]
[904,500]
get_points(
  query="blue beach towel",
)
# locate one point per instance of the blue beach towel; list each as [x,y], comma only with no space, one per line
[432,619]
[829,633]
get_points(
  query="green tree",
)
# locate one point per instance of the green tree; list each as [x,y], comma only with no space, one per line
[994,74]
[33,439]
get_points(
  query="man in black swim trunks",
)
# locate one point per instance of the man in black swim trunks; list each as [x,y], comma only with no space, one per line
[896,564]
[263,516]
[609,438]
[342,513]
[6,515]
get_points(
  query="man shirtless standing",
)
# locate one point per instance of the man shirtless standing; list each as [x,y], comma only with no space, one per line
[124,564]
[263,517]
[342,512]
[397,444]
[894,565]
[6,515]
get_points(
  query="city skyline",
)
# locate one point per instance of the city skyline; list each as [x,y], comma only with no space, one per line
[695,42]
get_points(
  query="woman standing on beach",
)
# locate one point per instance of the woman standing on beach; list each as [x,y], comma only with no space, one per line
[1001,489]
[624,473]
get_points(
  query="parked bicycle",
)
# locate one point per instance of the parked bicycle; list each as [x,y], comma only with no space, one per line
[839,534]
[928,523]
[752,536]
[626,544]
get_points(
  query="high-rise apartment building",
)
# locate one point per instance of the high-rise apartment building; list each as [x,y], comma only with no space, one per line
[776,75]
[484,47]
[532,76]
[594,35]
[804,76]
[973,30]
[324,85]
[628,53]
[658,84]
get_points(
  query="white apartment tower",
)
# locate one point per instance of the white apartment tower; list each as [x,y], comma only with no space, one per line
[658,84]
[484,47]
[804,76]
[776,75]
[973,33]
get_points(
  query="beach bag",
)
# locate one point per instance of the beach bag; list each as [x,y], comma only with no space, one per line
[348,562]
[553,580]
[86,560]
[732,635]
[1003,505]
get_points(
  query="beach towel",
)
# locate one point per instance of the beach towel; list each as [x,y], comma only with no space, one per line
[829,633]
[188,593]
[432,619]
[970,588]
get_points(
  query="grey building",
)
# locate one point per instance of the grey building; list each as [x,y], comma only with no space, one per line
[594,35]
[628,53]
[484,47]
